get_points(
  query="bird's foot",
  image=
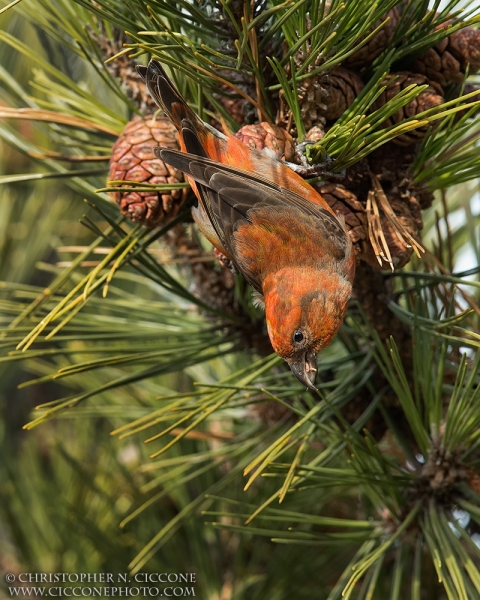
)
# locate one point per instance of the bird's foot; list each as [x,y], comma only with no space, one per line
[225,262]
[307,170]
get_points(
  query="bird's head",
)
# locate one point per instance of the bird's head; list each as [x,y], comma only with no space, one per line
[304,310]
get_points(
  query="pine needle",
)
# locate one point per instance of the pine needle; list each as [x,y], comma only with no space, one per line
[403,236]
[375,231]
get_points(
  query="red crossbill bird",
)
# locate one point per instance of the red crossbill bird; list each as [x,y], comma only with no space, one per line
[277,230]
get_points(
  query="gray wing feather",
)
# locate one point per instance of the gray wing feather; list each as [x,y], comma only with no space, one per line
[229,194]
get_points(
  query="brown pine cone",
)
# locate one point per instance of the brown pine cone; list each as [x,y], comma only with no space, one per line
[380,41]
[342,87]
[315,134]
[446,62]
[467,89]
[311,98]
[403,204]
[265,136]
[236,107]
[133,159]
[328,96]
[345,203]
[392,164]
[423,196]
[429,98]
[473,480]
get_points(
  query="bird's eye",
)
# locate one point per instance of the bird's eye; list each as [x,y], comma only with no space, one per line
[298,336]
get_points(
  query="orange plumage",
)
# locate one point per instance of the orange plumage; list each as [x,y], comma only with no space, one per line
[276,228]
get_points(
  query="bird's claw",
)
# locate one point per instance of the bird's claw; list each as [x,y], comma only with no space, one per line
[307,170]
[225,262]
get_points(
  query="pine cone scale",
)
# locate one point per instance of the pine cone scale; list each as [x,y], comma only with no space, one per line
[133,160]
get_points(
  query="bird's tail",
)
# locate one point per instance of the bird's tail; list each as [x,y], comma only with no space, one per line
[191,128]
[165,94]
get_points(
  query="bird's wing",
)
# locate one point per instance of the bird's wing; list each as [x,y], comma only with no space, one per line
[229,193]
